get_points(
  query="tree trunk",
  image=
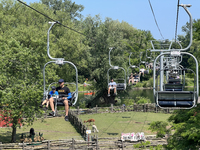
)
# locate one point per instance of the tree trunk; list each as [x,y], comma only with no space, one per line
[14,129]
[109,100]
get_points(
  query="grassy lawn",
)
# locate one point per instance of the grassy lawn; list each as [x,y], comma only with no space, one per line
[108,124]
[52,128]
[113,124]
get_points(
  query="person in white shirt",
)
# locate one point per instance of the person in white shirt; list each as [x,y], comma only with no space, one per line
[142,71]
[112,85]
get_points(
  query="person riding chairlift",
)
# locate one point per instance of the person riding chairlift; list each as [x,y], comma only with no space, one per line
[52,93]
[65,95]
[136,77]
[142,71]
[131,79]
[112,85]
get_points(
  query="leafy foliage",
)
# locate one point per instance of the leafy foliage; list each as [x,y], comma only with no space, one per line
[160,127]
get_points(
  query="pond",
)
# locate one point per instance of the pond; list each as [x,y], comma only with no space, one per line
[132,94]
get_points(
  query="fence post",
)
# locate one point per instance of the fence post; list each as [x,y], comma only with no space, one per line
[72,143]
[122,145]
[111,107]
[0,146]
[97,142]
[48,145]
[96,109]
[122,108]
[78,110]
[156,109]
[22,146]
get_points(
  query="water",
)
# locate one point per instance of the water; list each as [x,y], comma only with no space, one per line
[148,93]
[132,94]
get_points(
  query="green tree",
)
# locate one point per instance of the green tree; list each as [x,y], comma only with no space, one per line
[71,9]
[23,55]
[103,35]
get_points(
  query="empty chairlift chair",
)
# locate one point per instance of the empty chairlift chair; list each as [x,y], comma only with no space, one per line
[173,95]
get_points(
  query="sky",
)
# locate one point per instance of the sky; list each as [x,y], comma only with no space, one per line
[138,13]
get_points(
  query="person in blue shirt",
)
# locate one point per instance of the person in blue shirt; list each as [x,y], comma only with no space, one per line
[52,93]
[112,85]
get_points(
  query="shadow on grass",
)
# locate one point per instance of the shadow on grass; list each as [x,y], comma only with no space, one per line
[112,133]
[5,137]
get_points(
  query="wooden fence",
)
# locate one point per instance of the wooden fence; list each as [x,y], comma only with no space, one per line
[96,144]
[136,107]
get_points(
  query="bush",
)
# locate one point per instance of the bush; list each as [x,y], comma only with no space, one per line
[128,102]
[142,100]
[160,127]
[118,101]
[150,83]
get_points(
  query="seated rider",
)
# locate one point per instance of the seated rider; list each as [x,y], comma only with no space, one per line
[136,77]
[112,85]
[52,93]
[64,96]
[130,79]
[142,71]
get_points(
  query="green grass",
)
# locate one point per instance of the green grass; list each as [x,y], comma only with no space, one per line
[108,124]
[52,128]
[113,124]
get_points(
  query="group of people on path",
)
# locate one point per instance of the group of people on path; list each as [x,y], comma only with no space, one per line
[63,95]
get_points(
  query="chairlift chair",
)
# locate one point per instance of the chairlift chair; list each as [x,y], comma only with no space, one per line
[176,99]
[59,61]
[173,96]
[132,67]
[56,98]
[143,62]
[120,86]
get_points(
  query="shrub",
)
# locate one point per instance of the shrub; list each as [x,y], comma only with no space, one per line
[160,127]
[142,100]
[128,102]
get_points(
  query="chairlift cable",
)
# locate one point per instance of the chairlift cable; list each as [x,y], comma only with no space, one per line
[51,18]
[144,122]
[155,19]
[111,123]
[177,20]
[128,123]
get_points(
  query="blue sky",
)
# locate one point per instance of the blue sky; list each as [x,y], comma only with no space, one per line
[138,13]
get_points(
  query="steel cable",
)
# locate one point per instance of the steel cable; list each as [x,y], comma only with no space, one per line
[155,19]
[177,20]
[50,18]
